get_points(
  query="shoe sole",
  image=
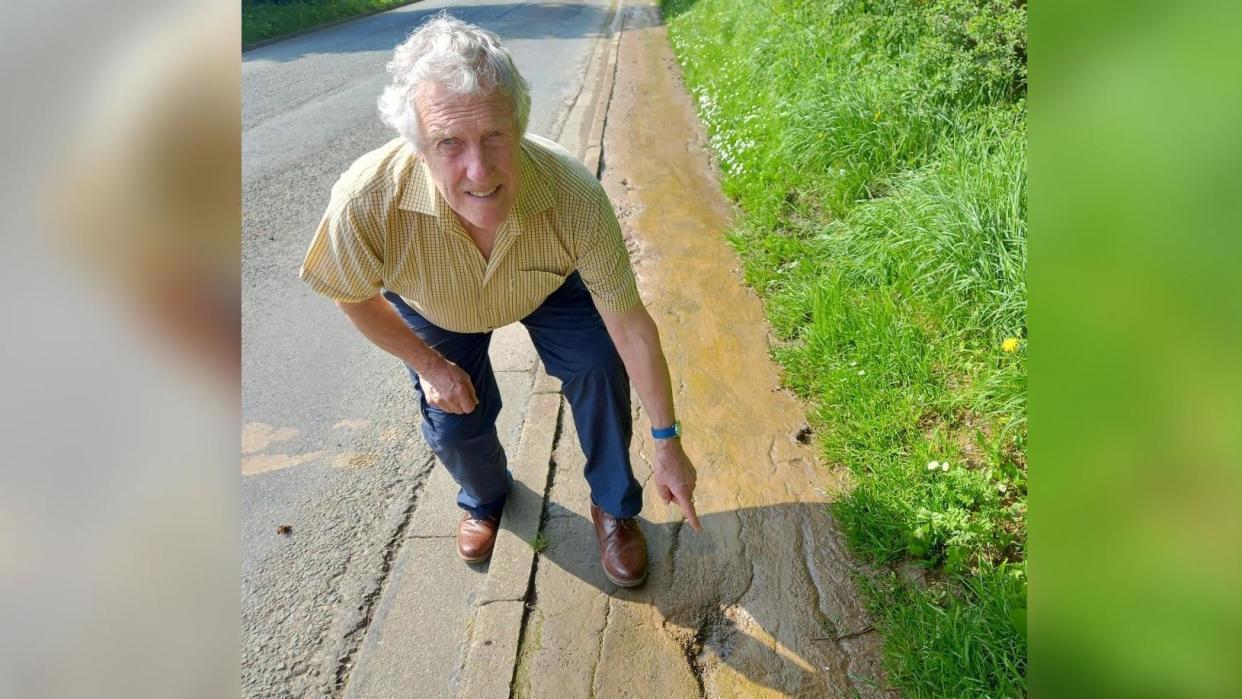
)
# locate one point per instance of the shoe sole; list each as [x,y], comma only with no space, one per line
[632,583]
[476,559]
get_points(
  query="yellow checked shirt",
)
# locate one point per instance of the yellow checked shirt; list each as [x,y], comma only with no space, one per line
[387,227]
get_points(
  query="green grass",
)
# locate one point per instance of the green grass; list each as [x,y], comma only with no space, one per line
[877,149]
[958,639]
[269,20]
[539,543]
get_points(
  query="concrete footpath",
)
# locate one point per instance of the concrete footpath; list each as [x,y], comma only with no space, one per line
[762,602]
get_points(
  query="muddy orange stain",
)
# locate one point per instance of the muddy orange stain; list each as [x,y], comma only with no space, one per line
[740,426]
[257,436]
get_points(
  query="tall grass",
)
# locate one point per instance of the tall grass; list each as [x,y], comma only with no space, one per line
[878,151]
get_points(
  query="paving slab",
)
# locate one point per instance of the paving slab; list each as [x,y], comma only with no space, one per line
[404,654]
[509,577]
[493,646]
[511,349]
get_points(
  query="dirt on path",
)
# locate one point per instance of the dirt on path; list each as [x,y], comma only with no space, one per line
[761,603]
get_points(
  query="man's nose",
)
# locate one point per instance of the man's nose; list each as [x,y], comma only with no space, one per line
[478,164]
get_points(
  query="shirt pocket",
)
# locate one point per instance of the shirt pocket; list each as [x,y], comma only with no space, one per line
[530,287]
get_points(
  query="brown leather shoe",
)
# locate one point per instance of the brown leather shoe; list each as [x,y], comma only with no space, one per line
[476,537]
[622,548]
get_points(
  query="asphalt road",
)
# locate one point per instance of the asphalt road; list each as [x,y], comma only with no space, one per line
[330,438]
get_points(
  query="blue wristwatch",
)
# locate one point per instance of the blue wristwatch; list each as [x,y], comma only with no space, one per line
[667,432]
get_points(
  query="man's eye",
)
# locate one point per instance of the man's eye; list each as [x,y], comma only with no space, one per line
[447,145]
[496,137]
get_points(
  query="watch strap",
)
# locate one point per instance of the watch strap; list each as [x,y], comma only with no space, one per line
[667,432]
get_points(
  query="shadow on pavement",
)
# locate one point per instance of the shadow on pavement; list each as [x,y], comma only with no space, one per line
[766,591]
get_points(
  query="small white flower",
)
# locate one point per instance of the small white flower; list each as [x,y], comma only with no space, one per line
[944,466]
[861,372]
[853,363]
[1001,488]
[933,465]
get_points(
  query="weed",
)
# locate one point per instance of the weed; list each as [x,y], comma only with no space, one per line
[539,543]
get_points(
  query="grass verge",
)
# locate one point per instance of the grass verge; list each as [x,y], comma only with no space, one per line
[877,151]
[269,20]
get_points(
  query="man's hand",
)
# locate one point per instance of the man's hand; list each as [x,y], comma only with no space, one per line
[675,478]
[638,343]
[448,388]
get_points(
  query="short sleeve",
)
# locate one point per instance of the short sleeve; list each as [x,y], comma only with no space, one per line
[343,262]
[604,261]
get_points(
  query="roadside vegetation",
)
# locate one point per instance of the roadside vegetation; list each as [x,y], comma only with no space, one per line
[877,152]
[268,19]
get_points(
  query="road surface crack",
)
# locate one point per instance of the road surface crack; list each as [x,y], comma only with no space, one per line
[352,639]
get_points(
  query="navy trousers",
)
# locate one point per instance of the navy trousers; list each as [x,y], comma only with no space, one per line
[573,344]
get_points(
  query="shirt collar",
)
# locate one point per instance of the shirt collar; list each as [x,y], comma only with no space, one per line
[420,193]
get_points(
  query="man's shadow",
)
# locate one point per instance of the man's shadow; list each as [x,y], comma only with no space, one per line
[767,591]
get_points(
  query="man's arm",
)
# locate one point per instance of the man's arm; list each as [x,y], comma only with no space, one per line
[445,385]
[638,342]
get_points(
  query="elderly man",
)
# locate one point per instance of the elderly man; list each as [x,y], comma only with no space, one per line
[466,223]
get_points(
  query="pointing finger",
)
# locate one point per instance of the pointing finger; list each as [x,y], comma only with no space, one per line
[686,502]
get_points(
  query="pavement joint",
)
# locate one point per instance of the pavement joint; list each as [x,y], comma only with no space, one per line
[531,593]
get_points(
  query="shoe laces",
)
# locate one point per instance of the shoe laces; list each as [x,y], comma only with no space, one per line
[628,524]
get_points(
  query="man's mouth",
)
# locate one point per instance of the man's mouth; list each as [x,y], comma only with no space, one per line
[484,194]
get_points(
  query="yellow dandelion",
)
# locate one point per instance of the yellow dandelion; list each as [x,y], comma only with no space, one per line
[1010,345]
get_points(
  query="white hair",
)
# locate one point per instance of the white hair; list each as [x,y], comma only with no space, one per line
[464,58]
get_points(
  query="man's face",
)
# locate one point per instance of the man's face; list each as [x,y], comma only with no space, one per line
[471,146]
